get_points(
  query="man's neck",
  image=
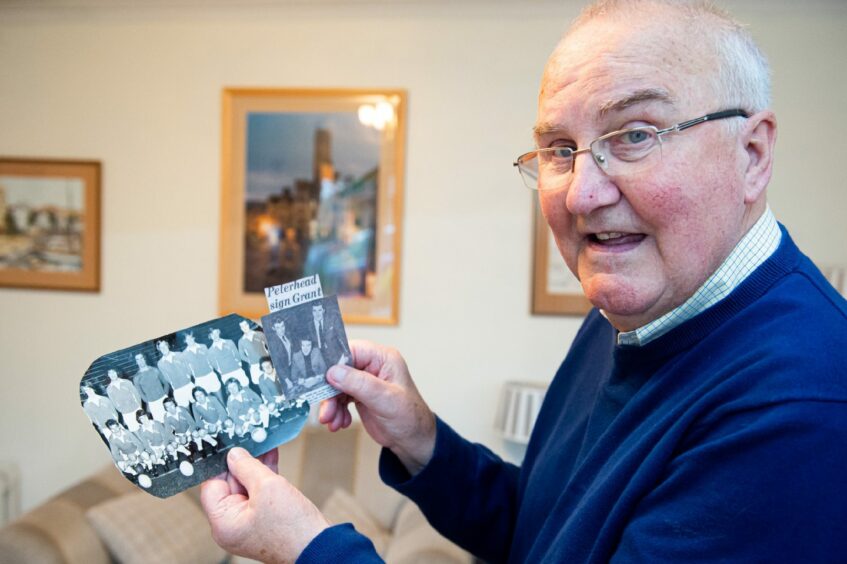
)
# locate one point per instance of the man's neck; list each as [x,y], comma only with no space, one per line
[758,241]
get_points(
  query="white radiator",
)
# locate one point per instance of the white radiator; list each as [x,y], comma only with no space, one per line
[10,492]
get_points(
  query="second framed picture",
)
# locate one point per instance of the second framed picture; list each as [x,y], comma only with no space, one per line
[312,184]
[555,290]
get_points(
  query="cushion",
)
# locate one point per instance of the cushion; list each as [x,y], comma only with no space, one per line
[53,532]
[341,507]
[138,528]
[328,461]
[379,500]
[416,542]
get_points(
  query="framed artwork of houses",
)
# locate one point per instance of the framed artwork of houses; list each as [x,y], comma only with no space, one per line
[312,184]
[50,224]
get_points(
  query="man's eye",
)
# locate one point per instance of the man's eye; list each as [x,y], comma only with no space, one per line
[637,136]
[562,152]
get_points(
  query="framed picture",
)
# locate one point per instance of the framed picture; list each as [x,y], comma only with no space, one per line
[50,224]
[312,184]
[555,290]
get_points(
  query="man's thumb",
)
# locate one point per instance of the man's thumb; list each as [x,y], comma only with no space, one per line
[246,469]
[361,386]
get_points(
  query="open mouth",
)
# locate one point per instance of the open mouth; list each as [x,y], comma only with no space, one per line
[615,240]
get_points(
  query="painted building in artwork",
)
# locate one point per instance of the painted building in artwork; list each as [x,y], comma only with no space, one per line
[324,224]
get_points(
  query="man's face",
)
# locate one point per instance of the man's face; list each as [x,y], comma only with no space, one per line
[679,219]
[112,375]
[163,347]
[306,347]
[170,407]
[216,334]
[267,367]
[140,361]
[244,327]
[318,313]
[279,329]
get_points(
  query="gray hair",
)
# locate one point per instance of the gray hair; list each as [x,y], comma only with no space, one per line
[743,76]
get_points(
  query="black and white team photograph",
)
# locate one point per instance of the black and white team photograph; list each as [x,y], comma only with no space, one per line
[170,408]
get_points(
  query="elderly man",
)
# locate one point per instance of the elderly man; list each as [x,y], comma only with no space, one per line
[701,412]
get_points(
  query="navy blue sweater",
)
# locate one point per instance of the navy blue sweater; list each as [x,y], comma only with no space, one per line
[724,440]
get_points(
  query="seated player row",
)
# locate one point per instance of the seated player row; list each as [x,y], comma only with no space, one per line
[155,443]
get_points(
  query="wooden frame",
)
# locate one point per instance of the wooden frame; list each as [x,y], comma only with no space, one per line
[555,290]
[311,186]
[50,224]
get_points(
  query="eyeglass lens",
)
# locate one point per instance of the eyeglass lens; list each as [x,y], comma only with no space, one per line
[620,153]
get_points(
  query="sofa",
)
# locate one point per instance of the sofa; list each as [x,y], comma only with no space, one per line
[105,518]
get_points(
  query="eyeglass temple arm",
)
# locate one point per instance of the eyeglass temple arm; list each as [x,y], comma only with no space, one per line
[710,117]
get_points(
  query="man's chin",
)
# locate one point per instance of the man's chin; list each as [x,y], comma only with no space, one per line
[625,307]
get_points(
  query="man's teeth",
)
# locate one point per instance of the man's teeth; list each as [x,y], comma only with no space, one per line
[610,235]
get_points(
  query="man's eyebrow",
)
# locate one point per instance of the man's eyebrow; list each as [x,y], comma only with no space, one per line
[542,129]
[637,97]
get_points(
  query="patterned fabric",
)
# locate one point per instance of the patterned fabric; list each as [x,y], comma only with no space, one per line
[754,248]
[140,528]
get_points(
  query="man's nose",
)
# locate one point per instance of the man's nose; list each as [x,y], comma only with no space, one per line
[589,188]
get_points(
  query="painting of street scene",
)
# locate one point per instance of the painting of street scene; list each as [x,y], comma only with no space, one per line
[50,224]
[41,223]
[312,185]
[311,200]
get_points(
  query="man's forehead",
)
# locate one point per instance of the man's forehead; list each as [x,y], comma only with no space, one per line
[610,63]
[614,104]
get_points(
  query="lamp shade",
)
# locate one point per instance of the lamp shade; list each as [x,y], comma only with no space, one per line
[520,403]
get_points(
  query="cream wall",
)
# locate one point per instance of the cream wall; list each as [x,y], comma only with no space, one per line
[139,89]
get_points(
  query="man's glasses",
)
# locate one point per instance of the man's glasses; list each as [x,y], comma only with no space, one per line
[619,153]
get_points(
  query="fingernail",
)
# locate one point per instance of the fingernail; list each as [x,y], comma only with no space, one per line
[337,373]
[236,454]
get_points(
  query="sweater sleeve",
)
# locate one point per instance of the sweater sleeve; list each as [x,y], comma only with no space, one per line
[763,485]
[466,492]
[340,543]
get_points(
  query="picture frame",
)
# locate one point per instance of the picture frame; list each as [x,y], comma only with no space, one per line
[312,183]
[555,290]
[50,224]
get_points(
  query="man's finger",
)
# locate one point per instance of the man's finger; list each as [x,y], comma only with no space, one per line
[361,386]
[366,354]
[337,421]
[246,469]
[327,410]
[271,460]
[212,494]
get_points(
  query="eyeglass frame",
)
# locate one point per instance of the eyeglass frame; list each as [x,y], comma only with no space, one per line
[659,132]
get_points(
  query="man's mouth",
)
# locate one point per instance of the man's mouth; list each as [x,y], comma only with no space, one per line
[615,240]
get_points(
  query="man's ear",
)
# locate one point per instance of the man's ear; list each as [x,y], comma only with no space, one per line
[758,138]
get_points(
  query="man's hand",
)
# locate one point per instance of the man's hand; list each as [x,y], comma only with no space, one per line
[393,412]
[256,513]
